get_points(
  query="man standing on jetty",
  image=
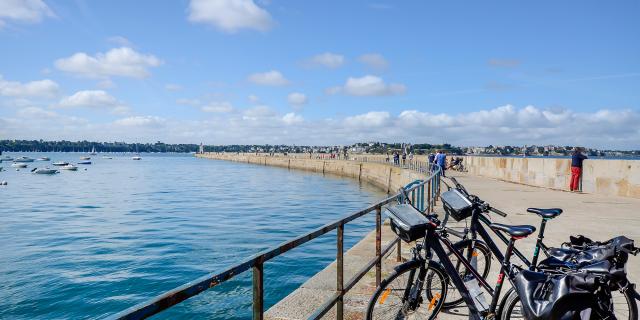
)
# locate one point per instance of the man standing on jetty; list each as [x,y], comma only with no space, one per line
[441,161]
[576,168]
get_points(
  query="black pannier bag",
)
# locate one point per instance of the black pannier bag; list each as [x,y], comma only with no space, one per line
[593,251]
[407,222]
[456,204]
[560,296]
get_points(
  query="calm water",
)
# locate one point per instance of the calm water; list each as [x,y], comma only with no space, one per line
[86,244]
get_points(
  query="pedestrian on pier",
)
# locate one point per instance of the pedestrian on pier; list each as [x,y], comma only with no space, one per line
[404,158]
[430,160]
[387,159]
[576,168]
[396,158]
[441,161]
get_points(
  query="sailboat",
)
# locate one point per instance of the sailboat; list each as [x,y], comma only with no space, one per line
[137,156]
[93,151]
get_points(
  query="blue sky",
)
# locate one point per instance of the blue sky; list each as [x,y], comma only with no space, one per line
[323,72]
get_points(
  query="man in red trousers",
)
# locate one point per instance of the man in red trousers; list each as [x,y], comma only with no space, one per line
[576,168]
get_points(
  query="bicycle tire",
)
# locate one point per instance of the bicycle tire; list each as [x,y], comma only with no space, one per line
[386,302]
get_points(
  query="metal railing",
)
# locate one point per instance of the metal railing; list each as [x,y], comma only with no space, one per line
[416,191]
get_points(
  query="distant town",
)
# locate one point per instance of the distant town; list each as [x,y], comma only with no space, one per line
[360,148]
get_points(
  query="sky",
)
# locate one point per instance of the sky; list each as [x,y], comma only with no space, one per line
[471,73]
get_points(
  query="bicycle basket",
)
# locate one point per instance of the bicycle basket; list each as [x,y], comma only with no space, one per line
[407,222]
[456,204]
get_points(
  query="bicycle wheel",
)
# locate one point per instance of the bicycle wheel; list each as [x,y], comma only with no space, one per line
[389,302]
[482,255]
[624,307]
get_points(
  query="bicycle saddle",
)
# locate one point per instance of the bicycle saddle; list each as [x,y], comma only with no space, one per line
[546,213]
[514,231]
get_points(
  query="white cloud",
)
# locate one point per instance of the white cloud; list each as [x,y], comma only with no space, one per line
[327,59]
[24,11]
[297,99]
[230,15]
[269,78]
[368,86]
[93,99]
[292,118]
[124,62]
[504,125]
[41,88]
[172,87]
[141,121]
[218,107]
[374,60]
[257,113]
[369,119]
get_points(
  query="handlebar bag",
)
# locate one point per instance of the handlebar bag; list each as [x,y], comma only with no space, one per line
[546,296]
[407,222]
[456,204]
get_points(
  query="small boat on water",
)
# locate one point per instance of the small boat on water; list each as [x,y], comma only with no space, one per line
[136,158]
[84,162]
[6,158]
[69,167]
[60,163]
[18,165]
[44,171]
[23,159]
[85,158]
[106,157]
[44,159]
[93,152]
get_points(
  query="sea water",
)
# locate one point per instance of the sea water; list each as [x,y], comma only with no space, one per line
[89,243]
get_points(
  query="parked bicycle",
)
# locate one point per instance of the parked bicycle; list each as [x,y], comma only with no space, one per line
[578,254]
[402,294]
[419,288]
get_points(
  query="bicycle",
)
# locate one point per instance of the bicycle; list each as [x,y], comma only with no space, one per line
[401,296]
[551,264]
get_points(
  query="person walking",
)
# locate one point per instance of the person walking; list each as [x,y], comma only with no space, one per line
[576,168]
[404,159]
[430,160]
[396,158]
[441,161]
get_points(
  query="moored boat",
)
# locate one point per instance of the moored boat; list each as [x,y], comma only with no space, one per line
[85,158]
[23,159]
[136,158]
[44,171]
[18,165]
[60,163]
[6,158]
[69,167]
[43,159]
[84,162]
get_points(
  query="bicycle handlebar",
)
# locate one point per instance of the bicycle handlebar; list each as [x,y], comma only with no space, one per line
[496,211]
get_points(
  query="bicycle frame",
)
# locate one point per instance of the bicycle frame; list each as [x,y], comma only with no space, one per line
[539,246]
[433,243]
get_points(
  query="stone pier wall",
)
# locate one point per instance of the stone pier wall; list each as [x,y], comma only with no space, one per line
[605,177]
[386,177]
